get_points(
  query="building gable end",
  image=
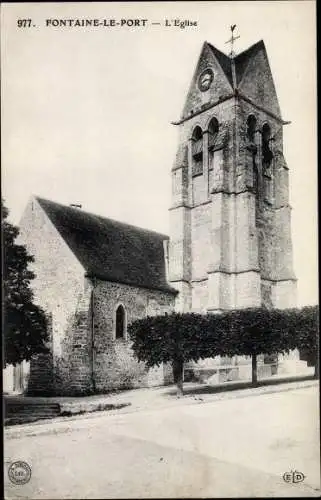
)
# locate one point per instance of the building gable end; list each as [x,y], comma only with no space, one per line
[219,87]
[34,210]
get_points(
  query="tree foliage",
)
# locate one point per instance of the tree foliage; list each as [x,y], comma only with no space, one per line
[160,339]
[24,323]
[305,332]
[179,338]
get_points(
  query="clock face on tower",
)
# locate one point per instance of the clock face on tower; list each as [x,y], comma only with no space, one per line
[205,80]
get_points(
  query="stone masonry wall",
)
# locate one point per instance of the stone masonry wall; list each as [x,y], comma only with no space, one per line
[74,367]
[195,243]
[114,364]
[59,275]
[224,234]
[41,371]
[58,284]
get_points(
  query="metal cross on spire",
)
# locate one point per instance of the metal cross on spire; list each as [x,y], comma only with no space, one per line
[231,41]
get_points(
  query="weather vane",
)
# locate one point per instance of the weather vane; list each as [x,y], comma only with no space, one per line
[232,39]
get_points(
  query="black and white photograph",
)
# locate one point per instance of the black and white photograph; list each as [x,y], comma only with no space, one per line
[160,258]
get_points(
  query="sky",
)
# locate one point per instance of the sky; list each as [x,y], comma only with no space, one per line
[87,112]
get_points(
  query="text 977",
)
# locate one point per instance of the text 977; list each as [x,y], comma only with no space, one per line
[24,23]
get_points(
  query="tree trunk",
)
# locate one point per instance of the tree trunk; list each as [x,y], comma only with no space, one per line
[254,370]
[178,367]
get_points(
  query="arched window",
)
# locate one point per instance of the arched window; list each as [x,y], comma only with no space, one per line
[212,135]
[197,151]
[251,128]
[266,146]
[212,132]
[197,134]
[120,322]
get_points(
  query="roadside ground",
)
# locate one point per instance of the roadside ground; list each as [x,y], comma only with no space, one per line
[152,398]
[233,444]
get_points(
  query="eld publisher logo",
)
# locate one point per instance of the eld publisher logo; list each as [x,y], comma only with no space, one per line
[293,477]
[19,472]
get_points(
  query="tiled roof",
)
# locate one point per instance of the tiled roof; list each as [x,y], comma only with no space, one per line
[111,250]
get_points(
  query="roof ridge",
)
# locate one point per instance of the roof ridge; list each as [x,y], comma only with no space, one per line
[97,216]
[218,50]
[250,48]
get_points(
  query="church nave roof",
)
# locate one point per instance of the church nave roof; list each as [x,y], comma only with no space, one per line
[111,250]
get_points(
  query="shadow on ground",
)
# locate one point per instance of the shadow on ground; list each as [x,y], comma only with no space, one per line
[197,389]
[23,409]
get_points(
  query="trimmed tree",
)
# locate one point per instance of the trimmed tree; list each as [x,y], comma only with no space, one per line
[298,329]
[270,331]
[306,334]
[174,338]
[252,334]
[24,323]
[179,338]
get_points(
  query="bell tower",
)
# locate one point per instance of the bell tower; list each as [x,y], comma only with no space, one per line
[230,218]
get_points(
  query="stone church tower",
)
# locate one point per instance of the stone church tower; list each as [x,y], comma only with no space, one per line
[230,232]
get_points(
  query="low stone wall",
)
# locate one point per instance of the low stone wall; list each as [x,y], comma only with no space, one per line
[227,373]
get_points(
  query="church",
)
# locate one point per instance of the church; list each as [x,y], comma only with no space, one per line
[229,245]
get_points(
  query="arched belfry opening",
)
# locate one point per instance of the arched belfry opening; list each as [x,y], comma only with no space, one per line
[251,129]
[120,322]
[197,151]
[267,154]
[212,135]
